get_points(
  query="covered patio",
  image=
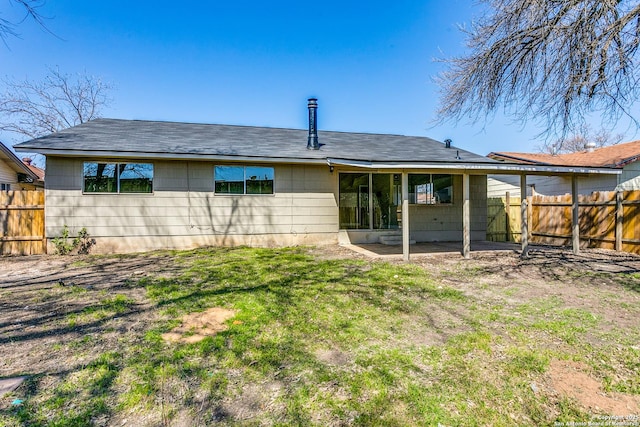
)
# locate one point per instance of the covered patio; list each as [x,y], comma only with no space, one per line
[401,172]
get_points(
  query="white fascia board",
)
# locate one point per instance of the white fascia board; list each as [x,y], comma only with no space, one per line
[500,168]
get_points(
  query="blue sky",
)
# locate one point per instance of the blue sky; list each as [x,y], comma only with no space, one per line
[370,64]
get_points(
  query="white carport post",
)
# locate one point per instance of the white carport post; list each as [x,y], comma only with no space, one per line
[405,216]
[466,221]
[524,225]
[575,220]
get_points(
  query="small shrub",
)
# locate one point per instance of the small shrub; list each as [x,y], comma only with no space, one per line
[82,242]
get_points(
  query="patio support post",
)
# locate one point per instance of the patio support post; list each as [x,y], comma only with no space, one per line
[524,224]
[405,216]
[619,220]
[575,219]
[466,222]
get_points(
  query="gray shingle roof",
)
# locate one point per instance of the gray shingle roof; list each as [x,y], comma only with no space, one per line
[128,137]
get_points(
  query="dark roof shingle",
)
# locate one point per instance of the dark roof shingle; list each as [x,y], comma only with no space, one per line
[184,139]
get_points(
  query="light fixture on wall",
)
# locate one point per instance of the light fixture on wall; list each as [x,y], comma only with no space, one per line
[331,168]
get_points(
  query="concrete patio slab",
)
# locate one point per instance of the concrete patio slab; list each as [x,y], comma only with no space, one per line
[377,250]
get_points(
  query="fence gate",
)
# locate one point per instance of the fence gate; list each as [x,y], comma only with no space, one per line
[503,219]
[22,222]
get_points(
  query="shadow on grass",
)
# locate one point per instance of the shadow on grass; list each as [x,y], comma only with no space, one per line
[590,267]
[11,330]
[289,306]
[81,396]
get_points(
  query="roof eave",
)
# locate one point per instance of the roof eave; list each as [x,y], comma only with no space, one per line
[177,156]
[18,165]
[494,168]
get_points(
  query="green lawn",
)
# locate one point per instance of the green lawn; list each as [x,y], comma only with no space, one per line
[319,341]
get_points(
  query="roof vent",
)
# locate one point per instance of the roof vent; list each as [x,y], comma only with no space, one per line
[312,143]
[447,143]
[27,161]
[590,146]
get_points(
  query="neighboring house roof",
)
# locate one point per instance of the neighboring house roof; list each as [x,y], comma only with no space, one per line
[36,170]
[138,139]
[31,172]
[613,156]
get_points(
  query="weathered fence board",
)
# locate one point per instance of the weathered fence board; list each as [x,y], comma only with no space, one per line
[600,220]
[503,219]
[22,222]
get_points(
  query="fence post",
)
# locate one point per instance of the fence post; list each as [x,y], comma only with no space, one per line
[619,220]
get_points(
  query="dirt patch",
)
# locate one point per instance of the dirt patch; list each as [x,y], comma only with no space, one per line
[197,326]
[333,357]
[572,379]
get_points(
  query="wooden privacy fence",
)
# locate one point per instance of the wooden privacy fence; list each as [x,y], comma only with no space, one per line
[503,219]
[607,220]
[22,222]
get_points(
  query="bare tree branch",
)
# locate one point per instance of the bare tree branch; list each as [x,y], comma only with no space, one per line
[30,8]
[34,109]
[554,61]
[579,141]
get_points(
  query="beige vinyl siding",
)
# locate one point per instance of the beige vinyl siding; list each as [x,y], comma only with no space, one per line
[7,175]
[432,223]
[184,212]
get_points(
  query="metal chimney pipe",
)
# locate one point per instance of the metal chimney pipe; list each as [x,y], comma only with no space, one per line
[312,143]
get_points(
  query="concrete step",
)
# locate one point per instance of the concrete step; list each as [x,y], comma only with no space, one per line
[393,239]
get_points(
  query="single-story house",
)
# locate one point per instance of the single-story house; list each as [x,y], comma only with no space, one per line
[16,174]
[141,185]
[624,157]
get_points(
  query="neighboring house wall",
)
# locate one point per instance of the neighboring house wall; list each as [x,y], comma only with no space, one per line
[10,177]
[498,185]
[630,178]
[7,174]
[444,222]
[183,211]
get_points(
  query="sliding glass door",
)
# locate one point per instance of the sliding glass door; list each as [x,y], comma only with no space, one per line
[369,201]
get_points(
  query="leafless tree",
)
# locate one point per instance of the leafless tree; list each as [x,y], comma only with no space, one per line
[36,108]
[30,10]
[579,140]
[556,61]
